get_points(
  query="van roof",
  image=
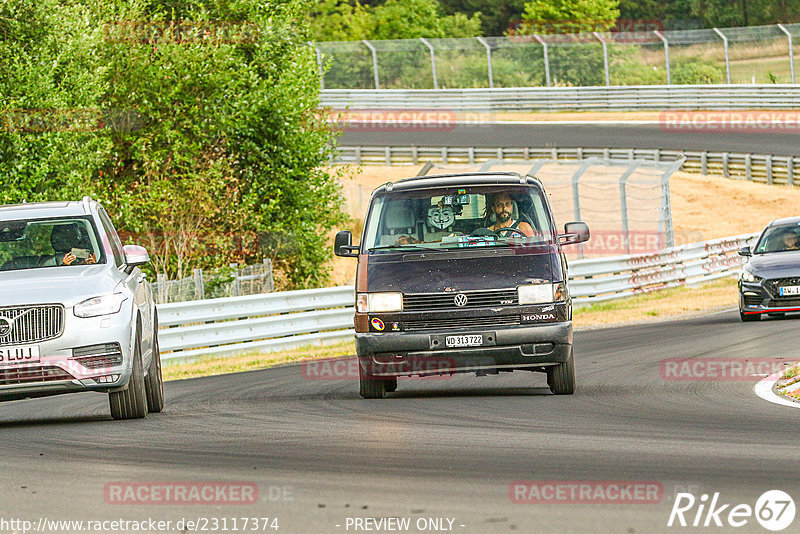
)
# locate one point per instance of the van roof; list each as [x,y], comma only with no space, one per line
[456,179]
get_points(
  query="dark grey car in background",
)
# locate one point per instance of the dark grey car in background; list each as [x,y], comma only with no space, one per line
[76,313]
[770,281]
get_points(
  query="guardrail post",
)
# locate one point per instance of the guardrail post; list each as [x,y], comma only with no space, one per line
[237,284]
[161,280]
[704,163]
[666,53]
[576,195]
[471,154]
[665,218]
[769,169]
[374,62]
[444,155]
[791,54]
[358,155]
[748,167]
[488,60]
[415,154]
[623,204]
[790,170]
[605,56]
[433,61]
[727,58]
[199,286]
[725,169]
[388,156]
[319,65]
[656,154]
[546,60]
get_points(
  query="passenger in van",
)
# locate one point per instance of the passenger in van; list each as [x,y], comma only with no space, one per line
[503,208]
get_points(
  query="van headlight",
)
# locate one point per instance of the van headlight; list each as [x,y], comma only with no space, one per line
[379,302]
[102,305]
[542,293]
[747,276]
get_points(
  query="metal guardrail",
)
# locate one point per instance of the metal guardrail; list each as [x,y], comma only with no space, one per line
[599,279]
[765,168]
[538,99]
[297,318]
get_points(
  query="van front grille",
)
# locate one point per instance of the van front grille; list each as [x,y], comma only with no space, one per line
[492,298]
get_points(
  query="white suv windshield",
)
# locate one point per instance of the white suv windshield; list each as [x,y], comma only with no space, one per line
[40,243]
[447,218]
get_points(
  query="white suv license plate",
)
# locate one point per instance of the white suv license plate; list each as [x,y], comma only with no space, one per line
[464,341]
[15,355]
[789,290]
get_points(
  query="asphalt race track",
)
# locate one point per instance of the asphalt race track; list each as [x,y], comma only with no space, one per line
[438,448]
[617,135]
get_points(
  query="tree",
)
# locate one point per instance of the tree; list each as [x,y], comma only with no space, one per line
[570,16]
[208,146]
[497,16]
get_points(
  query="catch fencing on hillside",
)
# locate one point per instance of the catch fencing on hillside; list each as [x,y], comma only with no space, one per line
[644,55]
[298,318]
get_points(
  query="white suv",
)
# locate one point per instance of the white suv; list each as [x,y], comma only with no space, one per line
[76,313]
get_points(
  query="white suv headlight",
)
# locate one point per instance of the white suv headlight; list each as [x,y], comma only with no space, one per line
[541,293]
[379,302]
[102,305]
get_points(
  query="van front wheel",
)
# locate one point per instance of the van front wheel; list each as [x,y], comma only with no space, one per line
[369,386]
[561,377]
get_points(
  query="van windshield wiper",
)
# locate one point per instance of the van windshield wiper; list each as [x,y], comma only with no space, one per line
[406,247]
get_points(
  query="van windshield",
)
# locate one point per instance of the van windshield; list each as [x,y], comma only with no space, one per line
[448,218]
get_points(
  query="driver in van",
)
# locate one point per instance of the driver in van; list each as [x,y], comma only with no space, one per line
[503,207]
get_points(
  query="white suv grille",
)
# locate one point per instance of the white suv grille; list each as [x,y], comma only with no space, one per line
[30,324]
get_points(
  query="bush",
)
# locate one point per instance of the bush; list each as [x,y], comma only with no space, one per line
[696,72]
[225,146]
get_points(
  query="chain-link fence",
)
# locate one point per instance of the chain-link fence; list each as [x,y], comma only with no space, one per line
[757,54]
[232,281]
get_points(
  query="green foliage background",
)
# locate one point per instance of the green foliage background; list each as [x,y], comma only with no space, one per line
[207,151]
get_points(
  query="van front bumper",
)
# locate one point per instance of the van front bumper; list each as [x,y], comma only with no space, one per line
[425,353]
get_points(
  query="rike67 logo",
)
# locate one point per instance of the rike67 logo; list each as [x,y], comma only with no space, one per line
[774,510]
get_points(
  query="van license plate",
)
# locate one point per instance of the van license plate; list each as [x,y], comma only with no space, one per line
[15,355]
[464,341]
[789,290]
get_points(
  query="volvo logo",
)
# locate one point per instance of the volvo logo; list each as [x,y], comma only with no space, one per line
[5,327]
[460,299]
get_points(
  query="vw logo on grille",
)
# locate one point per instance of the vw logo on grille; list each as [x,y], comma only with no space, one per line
[460,299]
[5,327]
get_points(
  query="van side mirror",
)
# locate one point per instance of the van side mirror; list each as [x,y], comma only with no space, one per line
[574,232]
[342,245]
[745,251]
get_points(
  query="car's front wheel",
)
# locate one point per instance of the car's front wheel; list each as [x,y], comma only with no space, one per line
[749,317]
[131,403]
[561,377]
[369,386]
[154,383]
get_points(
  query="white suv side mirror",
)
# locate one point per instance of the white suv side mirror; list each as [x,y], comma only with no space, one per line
[135,255]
